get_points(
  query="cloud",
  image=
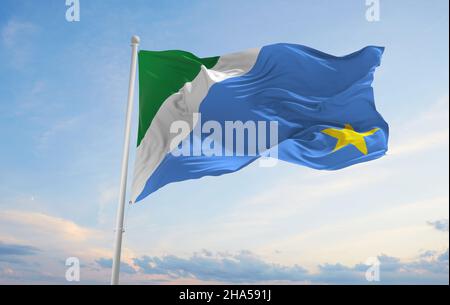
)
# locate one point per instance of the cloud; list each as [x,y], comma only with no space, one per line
[440,225]
[13,249]
[17,37]
[11,253]
[106,200]
[49,225]
[426,132]
[419,144]
[431,270]
[49,240]
[246,267]
[107,264]
[60,127]
[15,30]
[238,268]
[38,245]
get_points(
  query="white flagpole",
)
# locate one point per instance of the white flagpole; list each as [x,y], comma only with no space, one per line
[123,179]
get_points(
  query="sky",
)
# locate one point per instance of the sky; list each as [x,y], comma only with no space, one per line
[63,90]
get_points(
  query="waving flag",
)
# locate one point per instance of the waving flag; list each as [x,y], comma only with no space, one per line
[320,107]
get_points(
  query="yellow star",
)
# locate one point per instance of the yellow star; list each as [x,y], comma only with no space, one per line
[349,136]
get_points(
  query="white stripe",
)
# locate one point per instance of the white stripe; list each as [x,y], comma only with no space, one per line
[180,107]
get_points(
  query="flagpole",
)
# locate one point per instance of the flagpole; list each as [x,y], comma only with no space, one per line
[123,178]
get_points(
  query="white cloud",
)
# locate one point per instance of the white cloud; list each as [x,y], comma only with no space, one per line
[17,36]
[14,31]
[50,226]
[107,197]
[64,125]
[356,238]
[54,240]
[422,143]
[440,225]
[428,131]
[47,241]
[246,267]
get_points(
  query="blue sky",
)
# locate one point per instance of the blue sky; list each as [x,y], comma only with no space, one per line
[63,89]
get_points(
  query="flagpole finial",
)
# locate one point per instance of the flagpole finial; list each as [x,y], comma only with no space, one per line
[135,39]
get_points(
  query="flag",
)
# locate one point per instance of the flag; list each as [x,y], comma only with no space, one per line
[215,115]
